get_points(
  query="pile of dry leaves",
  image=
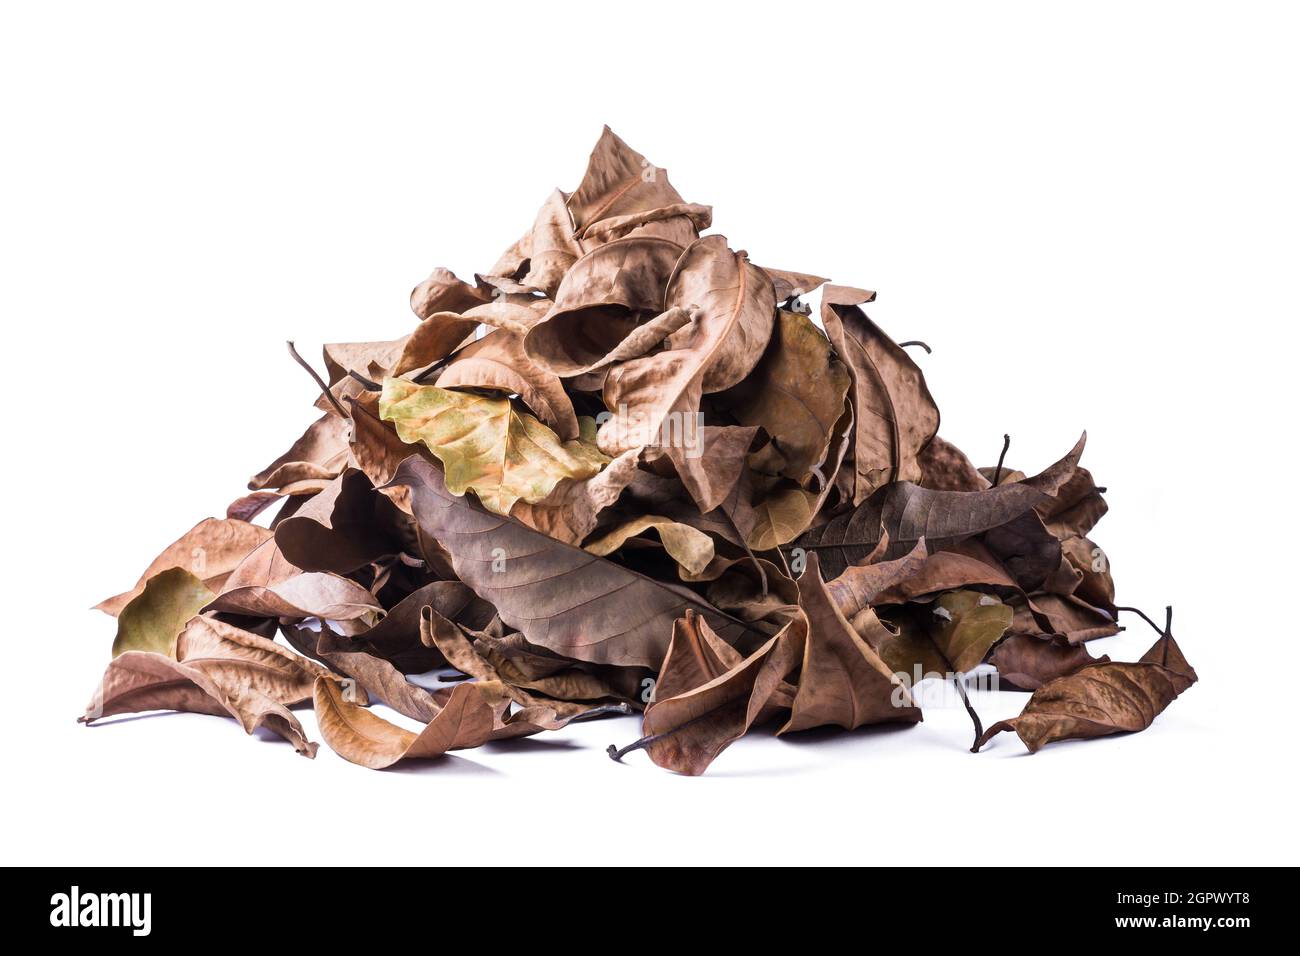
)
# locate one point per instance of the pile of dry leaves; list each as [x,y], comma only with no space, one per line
[626,469]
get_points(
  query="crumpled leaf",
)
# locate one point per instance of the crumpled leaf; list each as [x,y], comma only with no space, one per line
[358,736]
[618,181]
[696,655]
[497,362]
[951,634]
[524,666]
[943,571]
[1102,698]
[842,680]
[733,308]
[690,548]
[141,680]
[210,551]
[467,655]
[552,247]
[317,456]
[1077,620]
[860,585]
[603,301]
[346,526]
[789,284]
[237,660]
[443,292]
[485,444]
[677,222]
[686,732]
[638,340]
[571,510]
[796,392]
[436,337]
[152,619]
[377,677]
[1028,662]
[558,596]
[396,638]
[375,448]
[907,512]
[726,287]
[710,461]
[778,514]
[894,413]
[362,357]
[966,624]
[267,585]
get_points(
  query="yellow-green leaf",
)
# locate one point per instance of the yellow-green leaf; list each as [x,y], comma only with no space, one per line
[965,624]
[152,620]
[954,633]
[689,547]
[781,517]
[486,445]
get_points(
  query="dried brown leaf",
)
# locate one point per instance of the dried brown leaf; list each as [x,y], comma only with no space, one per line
[139,681]
[267,585]
[842,680]
[497,362]
[210,551]
[1028,662]
[619,181]
[1101,698]
[558,596]
[894,412]
[603,302]
[357,735]
[796,393]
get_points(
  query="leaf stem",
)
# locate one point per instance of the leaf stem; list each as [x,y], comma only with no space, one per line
[1142,614]
[997,472]
[928,350]
[325,389]
[618,754]
[1169,633]
[1166,633]
[959,680]
[970,709]
[604,710]
[438,366]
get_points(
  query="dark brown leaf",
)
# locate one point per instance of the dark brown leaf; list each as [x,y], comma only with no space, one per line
[894,413]
[906,512]
[1027,663]
[345,527]
[558,596]
[686,732]
[1101,698]
[842,680]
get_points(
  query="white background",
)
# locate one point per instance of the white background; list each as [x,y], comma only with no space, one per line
[1089,211]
